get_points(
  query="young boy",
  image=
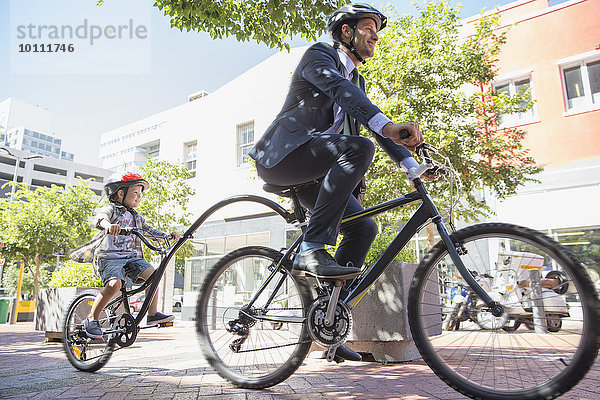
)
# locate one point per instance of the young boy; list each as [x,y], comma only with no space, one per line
[119,256]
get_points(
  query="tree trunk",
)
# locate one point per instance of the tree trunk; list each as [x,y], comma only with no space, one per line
[430,236]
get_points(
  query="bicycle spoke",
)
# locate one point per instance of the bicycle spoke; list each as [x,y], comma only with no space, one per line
[485,356]
[244,347]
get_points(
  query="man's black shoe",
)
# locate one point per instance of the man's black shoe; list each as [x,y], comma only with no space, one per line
[321,264]
[344,353]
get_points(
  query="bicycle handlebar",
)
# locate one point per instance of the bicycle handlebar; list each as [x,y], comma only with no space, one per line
[139,233]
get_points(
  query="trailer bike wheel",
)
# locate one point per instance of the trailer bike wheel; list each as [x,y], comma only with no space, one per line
[502,362]
[84,353]
[258,345]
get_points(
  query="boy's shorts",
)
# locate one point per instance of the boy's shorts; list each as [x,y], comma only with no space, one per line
[119,268]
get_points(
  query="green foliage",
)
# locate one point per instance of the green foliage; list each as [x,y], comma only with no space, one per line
[382,241]
[10,280]
[74,274]
[165,204]
[265,21]
[43,221]
[421,73]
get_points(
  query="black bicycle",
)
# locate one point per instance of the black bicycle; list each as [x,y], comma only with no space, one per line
[120,327]
[256,318]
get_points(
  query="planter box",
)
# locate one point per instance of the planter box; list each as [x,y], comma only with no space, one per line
[380,320]
[51,306]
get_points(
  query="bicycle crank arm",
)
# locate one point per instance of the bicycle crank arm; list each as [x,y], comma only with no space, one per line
[110,332]
[333,300]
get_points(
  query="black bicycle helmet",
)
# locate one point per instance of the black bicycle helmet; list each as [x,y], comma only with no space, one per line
[350,14]
[124,182]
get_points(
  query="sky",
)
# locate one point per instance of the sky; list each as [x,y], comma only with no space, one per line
[118,82]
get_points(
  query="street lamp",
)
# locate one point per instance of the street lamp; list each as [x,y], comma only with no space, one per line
[18,159]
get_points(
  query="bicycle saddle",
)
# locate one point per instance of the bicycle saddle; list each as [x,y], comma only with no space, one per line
[285,191]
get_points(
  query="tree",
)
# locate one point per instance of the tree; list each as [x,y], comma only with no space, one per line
[165,204]
[421,73]
[10,280]
[37,223]
[266,21]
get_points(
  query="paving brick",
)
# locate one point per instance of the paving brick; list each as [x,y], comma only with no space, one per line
[169,365]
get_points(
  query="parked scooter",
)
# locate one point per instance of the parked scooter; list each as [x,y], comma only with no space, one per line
[460,301]
[513,285]
[518,279]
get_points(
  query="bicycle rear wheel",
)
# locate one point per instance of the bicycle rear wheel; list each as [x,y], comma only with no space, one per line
[84,353]
[483,360]
[242,346]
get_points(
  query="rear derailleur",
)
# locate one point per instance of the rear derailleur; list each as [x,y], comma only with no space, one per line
[241,327]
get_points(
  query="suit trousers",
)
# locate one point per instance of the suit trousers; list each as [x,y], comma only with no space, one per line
[338,162]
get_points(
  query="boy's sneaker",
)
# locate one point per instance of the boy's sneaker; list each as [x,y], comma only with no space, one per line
[92,329]
[159,318]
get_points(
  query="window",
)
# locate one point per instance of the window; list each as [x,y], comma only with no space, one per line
[510,88]
[581,80]
[189,157]
[210,250]
[245,141]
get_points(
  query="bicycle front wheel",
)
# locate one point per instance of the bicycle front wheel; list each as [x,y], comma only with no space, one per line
[85,354]
[254,345]
[495,357]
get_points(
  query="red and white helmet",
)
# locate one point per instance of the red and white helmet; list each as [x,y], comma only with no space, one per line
[124,182]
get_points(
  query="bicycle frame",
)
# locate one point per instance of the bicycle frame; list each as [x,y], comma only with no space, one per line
[360,286]
[151,282]
[425,212]
[154,280]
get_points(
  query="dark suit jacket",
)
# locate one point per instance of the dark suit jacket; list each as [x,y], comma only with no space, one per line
[316,85]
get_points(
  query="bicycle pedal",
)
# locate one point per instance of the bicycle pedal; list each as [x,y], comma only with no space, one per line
[165,324]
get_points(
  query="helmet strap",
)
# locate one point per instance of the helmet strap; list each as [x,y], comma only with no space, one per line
[351,46]
[125,190]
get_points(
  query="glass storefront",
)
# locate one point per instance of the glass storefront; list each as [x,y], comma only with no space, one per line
[209,251]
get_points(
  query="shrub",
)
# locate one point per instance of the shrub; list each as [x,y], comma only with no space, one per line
[383,240]
[74,274]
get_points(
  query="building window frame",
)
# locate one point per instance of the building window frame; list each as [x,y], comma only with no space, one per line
[190,157]
[588,67]
[512,83]
[244,142]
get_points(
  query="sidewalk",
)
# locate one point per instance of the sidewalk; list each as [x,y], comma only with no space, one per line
[167,364]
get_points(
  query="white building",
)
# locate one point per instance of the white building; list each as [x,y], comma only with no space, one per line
[27,127]
[48,171]
[211,134]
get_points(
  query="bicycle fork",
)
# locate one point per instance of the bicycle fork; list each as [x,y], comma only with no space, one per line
[495,308]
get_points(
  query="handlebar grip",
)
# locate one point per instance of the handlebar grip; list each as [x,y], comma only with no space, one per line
[404,133]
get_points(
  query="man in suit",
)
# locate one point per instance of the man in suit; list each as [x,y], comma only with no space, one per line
[315,138]
[306,141]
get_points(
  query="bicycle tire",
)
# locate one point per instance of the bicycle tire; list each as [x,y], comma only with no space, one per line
[499,364]
[271,351]
[84,353]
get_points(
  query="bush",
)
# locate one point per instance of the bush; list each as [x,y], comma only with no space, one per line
[74,274]
[383,240]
